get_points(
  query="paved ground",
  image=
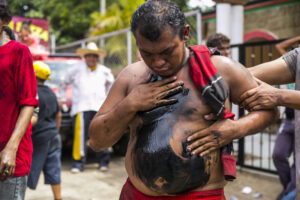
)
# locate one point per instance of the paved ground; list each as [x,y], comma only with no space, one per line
[95,185]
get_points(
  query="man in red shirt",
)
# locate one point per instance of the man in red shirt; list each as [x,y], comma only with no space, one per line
[17,101]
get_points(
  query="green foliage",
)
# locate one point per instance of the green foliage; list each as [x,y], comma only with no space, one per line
[69,20]
[117,17]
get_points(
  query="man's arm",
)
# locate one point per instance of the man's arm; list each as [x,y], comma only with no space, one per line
[224,131]
[280,71]
[8,155]
[275,72]
[58,120]
[120,107]
[63,84]
[284,46]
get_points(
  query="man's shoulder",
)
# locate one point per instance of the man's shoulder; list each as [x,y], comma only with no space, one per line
[135,70]
[223,63]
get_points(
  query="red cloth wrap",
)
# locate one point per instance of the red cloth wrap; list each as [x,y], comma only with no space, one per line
[129,192]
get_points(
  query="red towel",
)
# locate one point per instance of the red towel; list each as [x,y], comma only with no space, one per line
[213,88]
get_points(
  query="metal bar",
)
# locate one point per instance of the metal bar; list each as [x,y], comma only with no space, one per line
[199,31]
[260,169]
[129,48]
[52,44]
[191,13]
[79,42]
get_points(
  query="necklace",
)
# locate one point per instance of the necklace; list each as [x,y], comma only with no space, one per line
[3,39]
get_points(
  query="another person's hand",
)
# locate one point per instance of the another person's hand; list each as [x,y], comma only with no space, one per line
[153,94]
[7,163]
[217,135]
[262,97]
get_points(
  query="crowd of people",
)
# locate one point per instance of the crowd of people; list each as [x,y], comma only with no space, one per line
[176,101]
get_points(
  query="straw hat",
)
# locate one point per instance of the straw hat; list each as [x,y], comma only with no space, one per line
[91,49]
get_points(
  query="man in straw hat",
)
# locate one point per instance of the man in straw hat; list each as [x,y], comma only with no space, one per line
[90,84]
[17,101]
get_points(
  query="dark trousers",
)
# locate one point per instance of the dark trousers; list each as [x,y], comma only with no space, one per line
[81,122]
[284,146]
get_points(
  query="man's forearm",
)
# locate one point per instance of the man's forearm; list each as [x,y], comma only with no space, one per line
[58,120]
[106,129]
[289,98]
[254,122]
[20,128]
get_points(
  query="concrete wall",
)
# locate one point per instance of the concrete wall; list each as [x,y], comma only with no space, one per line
[282,21]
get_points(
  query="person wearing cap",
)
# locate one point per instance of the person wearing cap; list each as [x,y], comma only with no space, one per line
[17,101]
[90,83]
[45,136]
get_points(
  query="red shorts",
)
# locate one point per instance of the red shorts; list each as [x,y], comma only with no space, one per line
[129,192]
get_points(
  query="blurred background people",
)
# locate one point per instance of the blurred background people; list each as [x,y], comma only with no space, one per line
[221,42]
[26,37]
[90,83]
[45,136]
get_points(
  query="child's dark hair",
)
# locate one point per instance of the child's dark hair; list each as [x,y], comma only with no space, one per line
[5,14]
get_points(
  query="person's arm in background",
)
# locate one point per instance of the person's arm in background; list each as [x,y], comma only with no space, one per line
[109,81]
[8,155]
[277,72]
[35,116]
[58,120]
[63,84]
[283,47]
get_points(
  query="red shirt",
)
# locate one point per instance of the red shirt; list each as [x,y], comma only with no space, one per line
[17,88]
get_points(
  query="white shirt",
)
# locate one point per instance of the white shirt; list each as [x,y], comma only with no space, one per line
[89,88]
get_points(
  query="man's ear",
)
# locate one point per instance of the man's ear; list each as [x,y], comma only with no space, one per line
[186,33]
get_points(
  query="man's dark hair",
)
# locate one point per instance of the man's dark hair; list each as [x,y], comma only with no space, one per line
[152,18]
[5,14]
[216,40]
[10,33]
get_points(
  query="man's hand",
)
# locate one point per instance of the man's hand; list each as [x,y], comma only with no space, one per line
[151,95]
[217,135]
[7,163]
[262,97]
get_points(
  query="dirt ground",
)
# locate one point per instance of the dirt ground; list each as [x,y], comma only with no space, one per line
[95,185]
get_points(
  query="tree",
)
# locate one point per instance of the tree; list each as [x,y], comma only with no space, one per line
[69,20]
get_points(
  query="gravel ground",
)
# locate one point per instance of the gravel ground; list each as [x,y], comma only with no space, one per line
[95,185]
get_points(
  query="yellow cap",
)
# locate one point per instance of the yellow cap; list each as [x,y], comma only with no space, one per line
[42,70]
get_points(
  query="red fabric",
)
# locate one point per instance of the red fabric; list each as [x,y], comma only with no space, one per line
[129,192]
[17,88]
[229,165]
[201,69]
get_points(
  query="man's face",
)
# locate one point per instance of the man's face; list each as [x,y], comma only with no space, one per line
[91,60]
[165,55]
[224,49]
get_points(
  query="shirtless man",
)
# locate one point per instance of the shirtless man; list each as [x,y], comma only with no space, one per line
[157,99]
